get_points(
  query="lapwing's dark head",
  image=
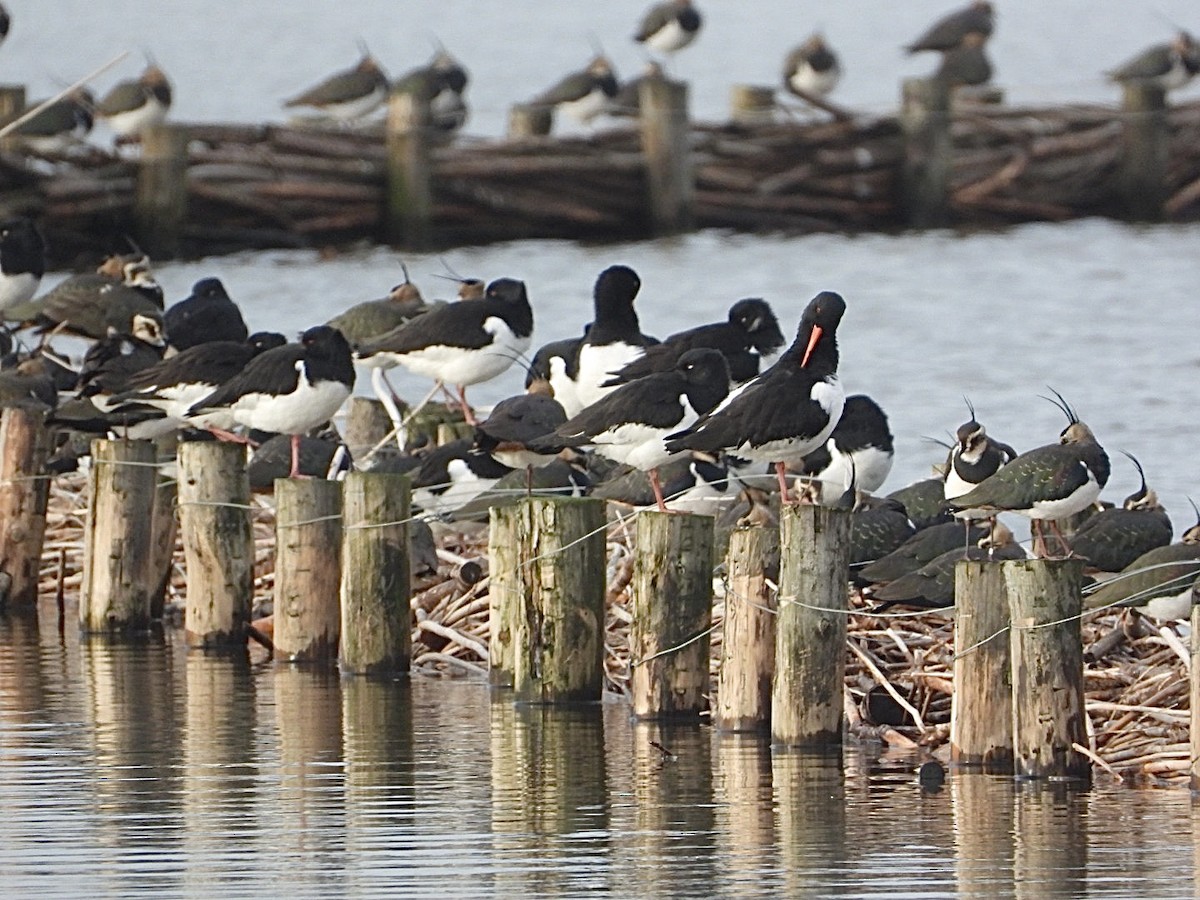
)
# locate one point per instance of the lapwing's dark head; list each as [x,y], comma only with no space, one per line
[971,436]
[704,366]
[507,290]
[820,321]
[616,286]
[1076,432]
[813,45]
[470,289]
[600,67]
[453,76]
[1192,535]
[261,341]
[1143,497]
[755,316]
[148,329]
[368,65]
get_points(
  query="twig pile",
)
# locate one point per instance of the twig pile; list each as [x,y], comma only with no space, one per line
[899,670]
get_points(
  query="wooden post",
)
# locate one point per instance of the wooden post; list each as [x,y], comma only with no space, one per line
[1145,150]
[1195,693]
[449,432]
[810,636]
[409,174]
[12,105]
[24,492]
[162,545]
[748,646]
[160,197]
[308,543]
[527,120]
[218,542]
[672,608]
[751,104]
[547,618]
[981,717]
[367,423]
[1047,668]
[665,135]
[115,596]
[925,176]
[376,636]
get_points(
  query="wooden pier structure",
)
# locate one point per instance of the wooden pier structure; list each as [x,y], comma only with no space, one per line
[196,189]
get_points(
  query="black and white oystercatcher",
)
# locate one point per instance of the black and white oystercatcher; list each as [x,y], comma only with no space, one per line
[22,261]
[613,340]
[790,409]
[461,343]
[289,389]
[630,424]
[859,453]
[207,314]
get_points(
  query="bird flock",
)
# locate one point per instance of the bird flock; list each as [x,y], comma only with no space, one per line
[810,71]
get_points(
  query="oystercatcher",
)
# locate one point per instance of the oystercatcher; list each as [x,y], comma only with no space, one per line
[130,107]
[1167,66]
[630,424]
[289,389]
[22,261]
[461,343]
[948,32]
[748,336]
[207,314]
[349,94]
[790,409]
[513,424]
[612,341]
[1046,483]
[812,69]
[858,453]
[454,474]
[669,26]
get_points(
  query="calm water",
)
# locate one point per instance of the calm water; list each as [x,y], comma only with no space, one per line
[149,771]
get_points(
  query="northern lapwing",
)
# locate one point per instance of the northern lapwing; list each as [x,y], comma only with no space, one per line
[966,65]
[916,551]
[748,337]
[1167,66]
[290,389]
[669,26]
[207,314]
[1047,483]
[973,457]
[811,69]
[789,410]
[373,318]
[461,343]
[582,95]
[630,424]
[878,526]
[441,83]
[347,95]
[858,453]
[924,501]
[130,107]
[22,261]
[1112,539]
[978,17]
[59,127]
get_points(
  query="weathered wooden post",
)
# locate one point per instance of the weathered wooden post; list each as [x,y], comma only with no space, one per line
[1195,691]
[24,492]
[409,206]
[672,614]
[751,104]
[981,716]
[925,175]
[160,196]
[529,120]
[12,105]
[218,542]
[449,432]
[162,546]
[308,544]
[748,646]
[669,180]
[367,424]
[1045,603]
[376,636]
[810,635]
[1145,150]
[115,595]
[546,564]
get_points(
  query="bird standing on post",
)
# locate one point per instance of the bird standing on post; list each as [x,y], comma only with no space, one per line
[947,33]
[349,94]
[22,261]
[582,95]
[789,410]
[1167,66]
[812,69]
[59,127]
[130,107]
[669,26]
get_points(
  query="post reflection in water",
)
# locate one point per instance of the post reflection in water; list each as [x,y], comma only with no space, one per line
[983,834]
[22,682]
[550,816]
[1050,822]
[810,819]
[745,813]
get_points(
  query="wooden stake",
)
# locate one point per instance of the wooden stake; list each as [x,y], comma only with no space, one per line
[218,542]
[547,617]
[526,120]
[748,646]
[1047,668]
[981,716]
[115,596]
[376,636]
[1146,150]
[810,637]
[162,545]
[672,613]
[409,173]
[669,179]
[308,543]
[12,105]
[752,104]
[367,424]
[24,493]
[160,198]
[925,176]
[1195,694]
